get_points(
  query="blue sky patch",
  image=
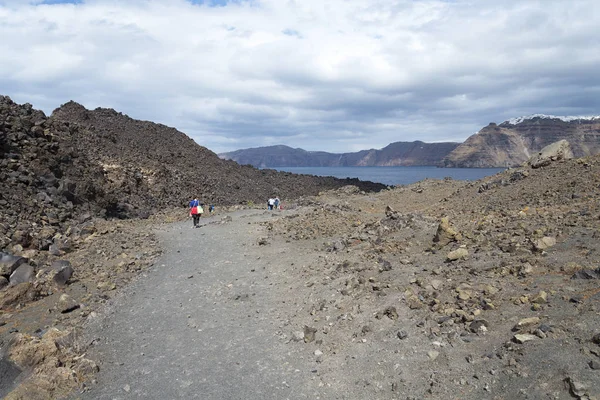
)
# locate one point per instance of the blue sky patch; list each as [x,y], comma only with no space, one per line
[216,3]
[61,2]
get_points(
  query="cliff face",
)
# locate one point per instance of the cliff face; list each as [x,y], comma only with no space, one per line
[513,142]
[395,154]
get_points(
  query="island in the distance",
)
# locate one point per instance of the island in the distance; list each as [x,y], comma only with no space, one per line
[509,144]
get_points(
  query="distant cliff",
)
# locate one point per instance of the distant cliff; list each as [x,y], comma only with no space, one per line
[395,154]
[512,142]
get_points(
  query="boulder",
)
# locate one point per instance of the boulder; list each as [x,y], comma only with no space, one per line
[526,323]
[479,325]
[587,274]
[457,254]
[556,151]
[445,233]
[19,294]
[54,250]
[309,334]
[544,243]
[62,272]
[9,263]
[44,237]
[25,273]
[540,298]
[66,304]
[525,337]
[86,367]
[391,213]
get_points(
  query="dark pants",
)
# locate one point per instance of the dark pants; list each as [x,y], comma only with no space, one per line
[196,218]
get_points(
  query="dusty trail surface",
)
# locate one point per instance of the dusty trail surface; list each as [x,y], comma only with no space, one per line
[200,324]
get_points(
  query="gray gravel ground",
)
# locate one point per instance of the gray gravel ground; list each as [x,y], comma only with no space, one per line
[202,324]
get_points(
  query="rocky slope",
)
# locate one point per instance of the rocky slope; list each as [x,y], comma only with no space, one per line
[513,142]
[169,167]
[61,170]
[448,289]
[395,154]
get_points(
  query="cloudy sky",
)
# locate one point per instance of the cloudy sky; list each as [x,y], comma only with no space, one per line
[332,75]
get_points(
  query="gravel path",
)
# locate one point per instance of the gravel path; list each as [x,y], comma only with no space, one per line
[203,323]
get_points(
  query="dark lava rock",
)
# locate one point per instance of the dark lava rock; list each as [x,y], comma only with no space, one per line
[9,263]
[63,272]
[8,376]
[476,325]
[587,274]
[402,335]
[25,273]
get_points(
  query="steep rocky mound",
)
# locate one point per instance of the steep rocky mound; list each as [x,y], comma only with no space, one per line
[59,172]
[513,142]
[159,166]
[45,181]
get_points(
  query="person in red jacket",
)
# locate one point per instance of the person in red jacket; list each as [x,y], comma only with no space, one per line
[194,206]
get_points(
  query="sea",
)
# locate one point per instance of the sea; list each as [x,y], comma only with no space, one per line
[395,175]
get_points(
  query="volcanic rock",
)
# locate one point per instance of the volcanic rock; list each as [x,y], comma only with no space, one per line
[18,294]
[63,272]
[457,254]
[8,263]
[309,334]
[544,243]
[557,151]
[526,322]
[25,273]
[587,274]
[525,337]
[445,233]
[66,304]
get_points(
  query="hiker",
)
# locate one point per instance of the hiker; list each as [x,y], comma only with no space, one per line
[276,203]
[271,203]
[211,208]
[194,208]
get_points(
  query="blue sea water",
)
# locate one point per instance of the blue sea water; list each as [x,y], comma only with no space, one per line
[395,175]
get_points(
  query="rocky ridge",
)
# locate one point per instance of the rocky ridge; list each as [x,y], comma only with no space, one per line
[513,142]
[395,154]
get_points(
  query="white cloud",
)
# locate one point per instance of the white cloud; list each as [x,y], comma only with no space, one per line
[338,75]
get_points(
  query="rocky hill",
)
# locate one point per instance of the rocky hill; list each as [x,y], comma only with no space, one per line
[395,154]
[60,170]
[513,142]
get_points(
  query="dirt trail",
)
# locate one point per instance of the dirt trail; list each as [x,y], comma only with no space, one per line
[202,323]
